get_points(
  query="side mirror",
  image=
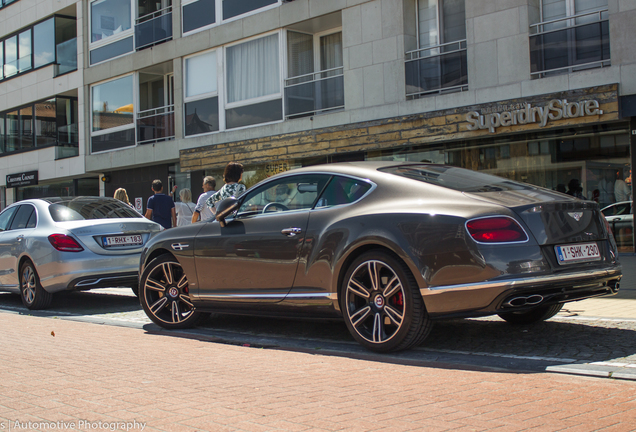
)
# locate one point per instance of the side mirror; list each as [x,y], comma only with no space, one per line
[224,208]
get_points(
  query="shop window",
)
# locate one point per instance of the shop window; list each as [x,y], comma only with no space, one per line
[572,35]
[201,94]
[253,82]
[439,64]
[113,112]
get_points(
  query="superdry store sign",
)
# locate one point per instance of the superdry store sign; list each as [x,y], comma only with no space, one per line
[525,113]
[22,179]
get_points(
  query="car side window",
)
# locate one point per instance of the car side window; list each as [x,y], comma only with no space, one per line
[5,218]
[285,194]
[342,190]
[22,217]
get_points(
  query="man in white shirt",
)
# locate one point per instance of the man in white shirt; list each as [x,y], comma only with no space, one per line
[202,211]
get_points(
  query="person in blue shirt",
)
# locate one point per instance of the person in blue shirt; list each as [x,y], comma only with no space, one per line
[160,207]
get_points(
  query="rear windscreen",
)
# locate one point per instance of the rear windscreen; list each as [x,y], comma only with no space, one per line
[82,209]
[458,179]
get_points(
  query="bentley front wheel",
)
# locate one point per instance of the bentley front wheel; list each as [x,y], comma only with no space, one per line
[165,296]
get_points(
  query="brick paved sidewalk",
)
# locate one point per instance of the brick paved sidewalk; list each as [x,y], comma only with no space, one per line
[621,305]
[95,373]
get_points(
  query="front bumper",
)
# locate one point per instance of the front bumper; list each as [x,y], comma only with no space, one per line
[488,298]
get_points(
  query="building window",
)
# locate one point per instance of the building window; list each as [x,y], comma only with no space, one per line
[39,46]
[201,94]
[253,84]
[40,125]
[110,19]
[572,35]
[43,43]
[315,73]
[198,14]
[154,23]
[438,65]
[111,29]
[201,14]
[112,122]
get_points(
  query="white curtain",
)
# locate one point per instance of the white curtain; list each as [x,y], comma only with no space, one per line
[253,69]
[331,51]
[201,74]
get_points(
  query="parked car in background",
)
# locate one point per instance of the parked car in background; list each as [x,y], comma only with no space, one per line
[388,247]
[620,217]
[77,243]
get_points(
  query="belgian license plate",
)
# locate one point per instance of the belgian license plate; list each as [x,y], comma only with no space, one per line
[573,253]
[124,240]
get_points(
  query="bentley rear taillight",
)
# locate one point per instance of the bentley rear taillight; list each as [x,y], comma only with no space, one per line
[65,243]
[496,229]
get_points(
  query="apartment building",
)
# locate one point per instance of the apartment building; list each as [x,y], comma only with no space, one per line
[101,94]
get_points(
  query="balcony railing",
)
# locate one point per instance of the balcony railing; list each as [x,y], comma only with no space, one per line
[314,93]
[569,44]
[66,57]
[156,124]
[153,28]
[437,69]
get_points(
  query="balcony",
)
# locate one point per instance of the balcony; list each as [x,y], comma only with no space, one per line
[156,124]
[437,69]
[66,57]
[153,28]
[569,44]
[314,93]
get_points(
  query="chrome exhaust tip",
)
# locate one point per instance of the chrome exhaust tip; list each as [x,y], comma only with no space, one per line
[531,300]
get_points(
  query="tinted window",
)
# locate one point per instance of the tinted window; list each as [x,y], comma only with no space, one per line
[33,220]
[22,217]
[285,194]
[232,8]
[342,190]
[5,218]
[458,179]
[198,14]
[617,209]
[90,208]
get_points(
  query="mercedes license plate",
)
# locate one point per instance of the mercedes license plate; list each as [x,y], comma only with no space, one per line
[573,253]
[123,240]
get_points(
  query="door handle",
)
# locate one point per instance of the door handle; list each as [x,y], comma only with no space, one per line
[291,232]
[19,238]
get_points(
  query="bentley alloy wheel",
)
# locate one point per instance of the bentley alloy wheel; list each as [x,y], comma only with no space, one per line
[383,308]
[164,294]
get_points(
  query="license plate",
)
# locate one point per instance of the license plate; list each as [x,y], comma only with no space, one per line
[125,240]
[573,253]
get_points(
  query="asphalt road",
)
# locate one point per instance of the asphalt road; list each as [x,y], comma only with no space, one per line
[581,345]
